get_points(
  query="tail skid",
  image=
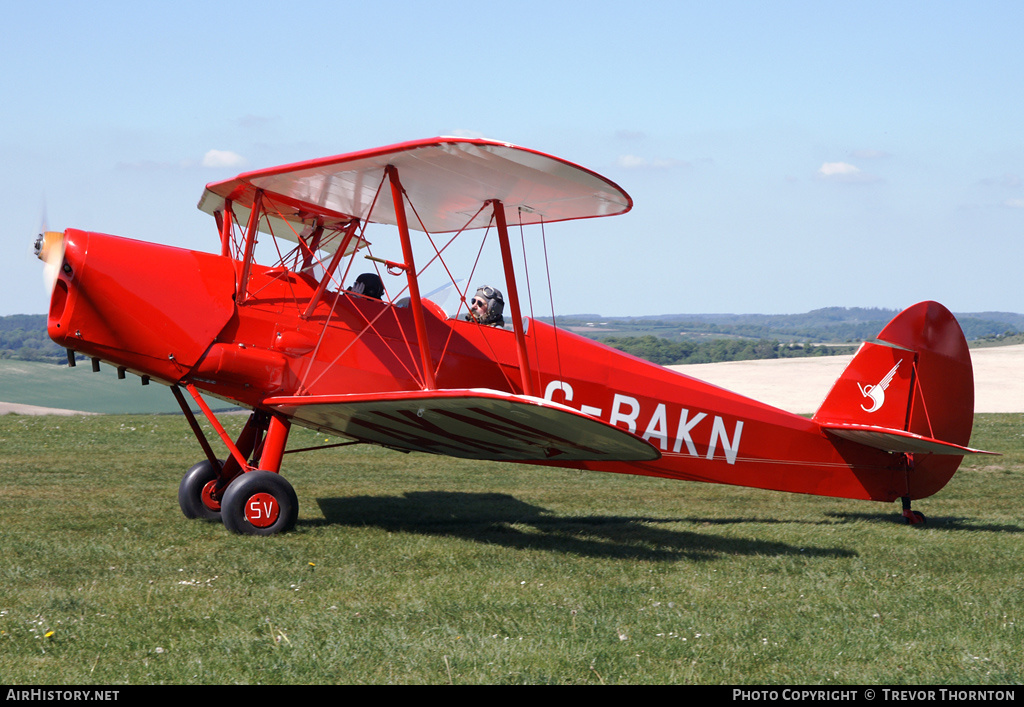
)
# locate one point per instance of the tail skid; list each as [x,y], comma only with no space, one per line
[910,392]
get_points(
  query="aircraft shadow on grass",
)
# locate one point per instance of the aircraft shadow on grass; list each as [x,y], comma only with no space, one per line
[501,519]
[934,522]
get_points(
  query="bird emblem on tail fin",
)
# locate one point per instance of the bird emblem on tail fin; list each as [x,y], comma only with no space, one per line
[876,393]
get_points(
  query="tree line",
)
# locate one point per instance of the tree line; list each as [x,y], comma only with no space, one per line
[669,353]
[24,337]
[831,324]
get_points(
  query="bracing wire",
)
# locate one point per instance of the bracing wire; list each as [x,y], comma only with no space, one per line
[551,298]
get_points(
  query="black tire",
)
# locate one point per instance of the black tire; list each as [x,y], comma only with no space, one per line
[249,493]
[190,491]
[914,518]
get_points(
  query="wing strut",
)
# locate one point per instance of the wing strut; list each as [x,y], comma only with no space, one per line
[224,219]
[331,269]
[513,297]
[238,455]
[411,276]
[250,243]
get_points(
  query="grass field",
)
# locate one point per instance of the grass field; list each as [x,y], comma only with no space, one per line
[415,569]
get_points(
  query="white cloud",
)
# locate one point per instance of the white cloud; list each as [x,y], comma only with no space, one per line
[222,158]
[844,172]
[1014,203]
[837,169]
[631,161]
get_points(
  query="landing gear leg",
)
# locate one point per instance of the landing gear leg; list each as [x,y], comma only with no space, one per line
[200,491]
[261,502]
[912,517]
[248,496]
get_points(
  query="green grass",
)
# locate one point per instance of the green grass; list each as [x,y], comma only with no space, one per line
[415,569]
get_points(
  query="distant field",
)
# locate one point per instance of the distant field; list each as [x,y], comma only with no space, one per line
[78,388]
[412,569]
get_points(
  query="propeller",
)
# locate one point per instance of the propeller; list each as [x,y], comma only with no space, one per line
[50,249]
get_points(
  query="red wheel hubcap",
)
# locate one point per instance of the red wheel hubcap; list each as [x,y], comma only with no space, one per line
[262,510]
[208,500]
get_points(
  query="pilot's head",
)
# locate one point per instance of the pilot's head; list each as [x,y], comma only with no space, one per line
[487,305]
[369,285]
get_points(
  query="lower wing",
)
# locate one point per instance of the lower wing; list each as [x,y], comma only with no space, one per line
[471,424]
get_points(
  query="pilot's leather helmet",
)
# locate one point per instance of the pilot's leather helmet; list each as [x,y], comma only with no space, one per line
[495,305]
[368,284]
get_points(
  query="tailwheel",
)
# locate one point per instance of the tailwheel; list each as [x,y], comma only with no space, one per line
[259,503]
[196,493]
[914,517]
[910,516]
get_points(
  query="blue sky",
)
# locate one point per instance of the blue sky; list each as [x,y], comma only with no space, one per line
[782,156]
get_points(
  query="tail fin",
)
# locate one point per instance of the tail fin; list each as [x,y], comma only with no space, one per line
[910,391]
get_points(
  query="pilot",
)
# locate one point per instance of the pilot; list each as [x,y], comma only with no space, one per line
[368,285]
[486,307]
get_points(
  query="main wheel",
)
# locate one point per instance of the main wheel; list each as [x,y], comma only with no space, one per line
[259,503]
[195,493]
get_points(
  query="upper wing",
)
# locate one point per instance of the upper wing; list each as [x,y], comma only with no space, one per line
[472,424]
[446,179]
[283,218]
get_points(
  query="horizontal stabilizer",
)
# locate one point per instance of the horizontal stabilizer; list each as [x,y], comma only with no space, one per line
[890,440]
[470,424]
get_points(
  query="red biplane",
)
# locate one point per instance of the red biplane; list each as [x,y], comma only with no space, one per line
[284,339]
